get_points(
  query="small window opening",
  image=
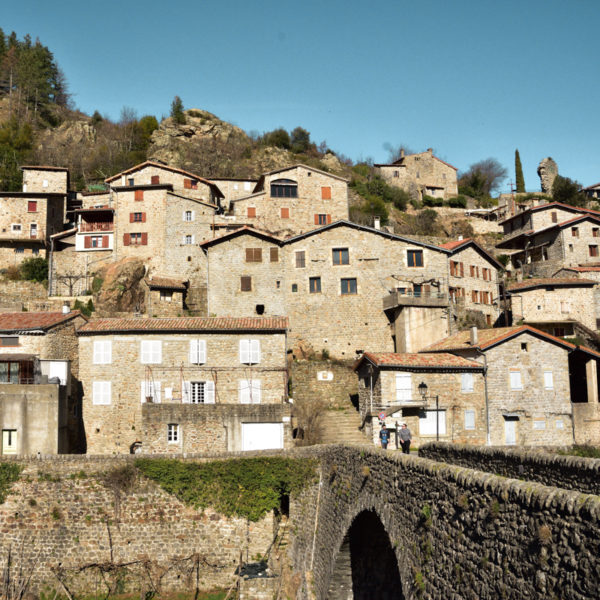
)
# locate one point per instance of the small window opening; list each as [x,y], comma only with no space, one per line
[260,309]
[524,346]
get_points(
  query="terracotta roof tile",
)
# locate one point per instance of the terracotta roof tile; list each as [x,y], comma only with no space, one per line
[455,244]
[183,324]
[421,361]
[32,321]
[549,281]
[166,283]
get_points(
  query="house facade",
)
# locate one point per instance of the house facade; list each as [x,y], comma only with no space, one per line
[451,409]
[421,174]
[177,385]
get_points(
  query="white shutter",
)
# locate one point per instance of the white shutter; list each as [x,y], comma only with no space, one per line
[469,419]
[145,352]
[98,353]
[466,384]
[515,380]
[255,351]
[102,352]
[403,387]
[244,391]
[548,380]
[186,392]
[201,351]
[101,392]
[152,389]
[151,352]
[194,352]
[193,215]
[255,391]
[209,392]
[244,351]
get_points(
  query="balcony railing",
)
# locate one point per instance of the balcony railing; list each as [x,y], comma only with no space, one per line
[85,227]
[406,297]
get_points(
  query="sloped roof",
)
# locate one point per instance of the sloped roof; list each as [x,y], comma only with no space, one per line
[165,283]
[458,245]
[550,205]
[529,284]
[34,321]
[246,229]
[400,161]
[43,168]
[423,362]
[261,179]
[184,325]
[455,244]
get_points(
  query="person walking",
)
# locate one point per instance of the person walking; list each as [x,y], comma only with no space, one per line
[384,436]
[405,438]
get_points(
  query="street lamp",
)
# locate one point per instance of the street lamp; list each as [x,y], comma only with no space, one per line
[423,391]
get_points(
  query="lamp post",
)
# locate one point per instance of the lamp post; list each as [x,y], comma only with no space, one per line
[423,391]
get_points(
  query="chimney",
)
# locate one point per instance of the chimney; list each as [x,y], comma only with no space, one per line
[474,336]
[430,150]
[376,222]
[401,152]
[66,309]
[460,238]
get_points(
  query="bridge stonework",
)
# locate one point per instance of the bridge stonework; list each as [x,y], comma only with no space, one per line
[456,533]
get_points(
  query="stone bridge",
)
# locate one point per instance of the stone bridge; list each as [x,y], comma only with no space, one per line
[388,526]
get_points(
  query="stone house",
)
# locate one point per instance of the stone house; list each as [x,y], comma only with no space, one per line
[389,384]
[535,384]
[473,280]
[421,174]
[343,286]
[175,385]
[592,191]
[39,395]
[292,200]
[589,271]
[554,304]
[233,187]
[30,217]
[164,296]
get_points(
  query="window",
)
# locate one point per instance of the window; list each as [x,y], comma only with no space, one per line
[190,184]
[254,255]
[554,217]
[154,179]
[565,307]
[101,392]
[432,422]
[321,219]
[403,387]
[570,247]
[150,391]
[166,296]
[188,216]
[35,251]
[188,240]
[251,212]
[396,173]
[151,352]
[349,286]
[9,340]
[245,283]
[575,231]
[249,391]
[539,424]
[284,188]
[285,212]
[314,285]
[326,193]
[414,258]
[548,380]
[472,271]
[93,241]
[16,228]
[247,186]
[197,352]
[19,250]
[274,254]
[139,195]
[341,256]
[44,183]
[294,287]
[515,380]
[594,250]
[475,297]
[595,232]
[137,217]
[199,392]
[469,420]
[249,352]
[173,433]
[466,382]
[32,206]
[135,239]
[103,352]
[300,259]
[130,182]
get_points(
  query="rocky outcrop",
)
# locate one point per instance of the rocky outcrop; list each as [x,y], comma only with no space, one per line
[122,289]
[547,171]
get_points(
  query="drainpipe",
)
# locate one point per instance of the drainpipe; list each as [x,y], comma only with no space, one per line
[488,439]
[50,282]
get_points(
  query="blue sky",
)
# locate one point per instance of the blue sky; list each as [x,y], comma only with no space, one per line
[471,78]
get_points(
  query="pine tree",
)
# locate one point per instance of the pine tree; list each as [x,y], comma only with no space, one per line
[177,111]
[520,180]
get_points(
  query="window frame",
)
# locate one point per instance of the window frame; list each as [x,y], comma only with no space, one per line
[314,285]
[411,255]
[249,351]
[338,255]
[245,283]
[151,352]
[102,352]
[101,390]
[346,286]
[173,436]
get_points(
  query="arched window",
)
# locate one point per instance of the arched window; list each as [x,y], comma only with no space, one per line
[284,188]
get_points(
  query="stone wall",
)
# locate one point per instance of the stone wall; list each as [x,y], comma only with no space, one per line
[45,181]
[567,472]
[16,295]
[453,532]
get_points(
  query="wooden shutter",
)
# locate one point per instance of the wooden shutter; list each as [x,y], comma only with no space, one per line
[326,193]
[285,213]
[105,241]
[251,211]
[126,239]
[274,254]
[245,283]
[32,206]
[87,241]
[155,180]
[131,217]
[187,184]
[462,269]
[316,219]
[139,195]
[249,254]
[328,219]
[143,217]
[144,239]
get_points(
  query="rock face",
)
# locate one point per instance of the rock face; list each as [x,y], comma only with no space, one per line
[121,289]
[547,171]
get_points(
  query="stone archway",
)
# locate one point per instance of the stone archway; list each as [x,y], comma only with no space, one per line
[366,567]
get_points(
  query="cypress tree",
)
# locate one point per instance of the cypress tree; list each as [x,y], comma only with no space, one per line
[520,180]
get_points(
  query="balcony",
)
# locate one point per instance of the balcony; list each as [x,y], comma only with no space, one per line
[88,227]
[406,297]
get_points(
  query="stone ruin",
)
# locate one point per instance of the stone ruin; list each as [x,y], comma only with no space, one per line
[547,171]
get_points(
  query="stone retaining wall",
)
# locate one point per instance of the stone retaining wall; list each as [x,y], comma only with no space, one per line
[568,472]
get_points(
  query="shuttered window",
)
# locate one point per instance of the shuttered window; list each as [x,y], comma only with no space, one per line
[403,387]
[515,380]
[101,392]
[466,382]
[151,352]
[245,283]
[548,380]
[250,352]
[251,212]
[300,259]
[274,254]
[150,391]
[254,255]
[32,206]
[139,195]
[326,193]
[285,213]
[197,352]
[250,391]
[155,180]
[102,352]
[198,392]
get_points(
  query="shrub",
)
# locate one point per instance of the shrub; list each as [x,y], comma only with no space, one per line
[34,269]
[279,138]
[9,473]
[97,284]
[457,202]
[431,201]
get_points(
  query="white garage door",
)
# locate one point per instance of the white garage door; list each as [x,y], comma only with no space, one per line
[262,436]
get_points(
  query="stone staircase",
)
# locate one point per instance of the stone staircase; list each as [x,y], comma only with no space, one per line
[342,426]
